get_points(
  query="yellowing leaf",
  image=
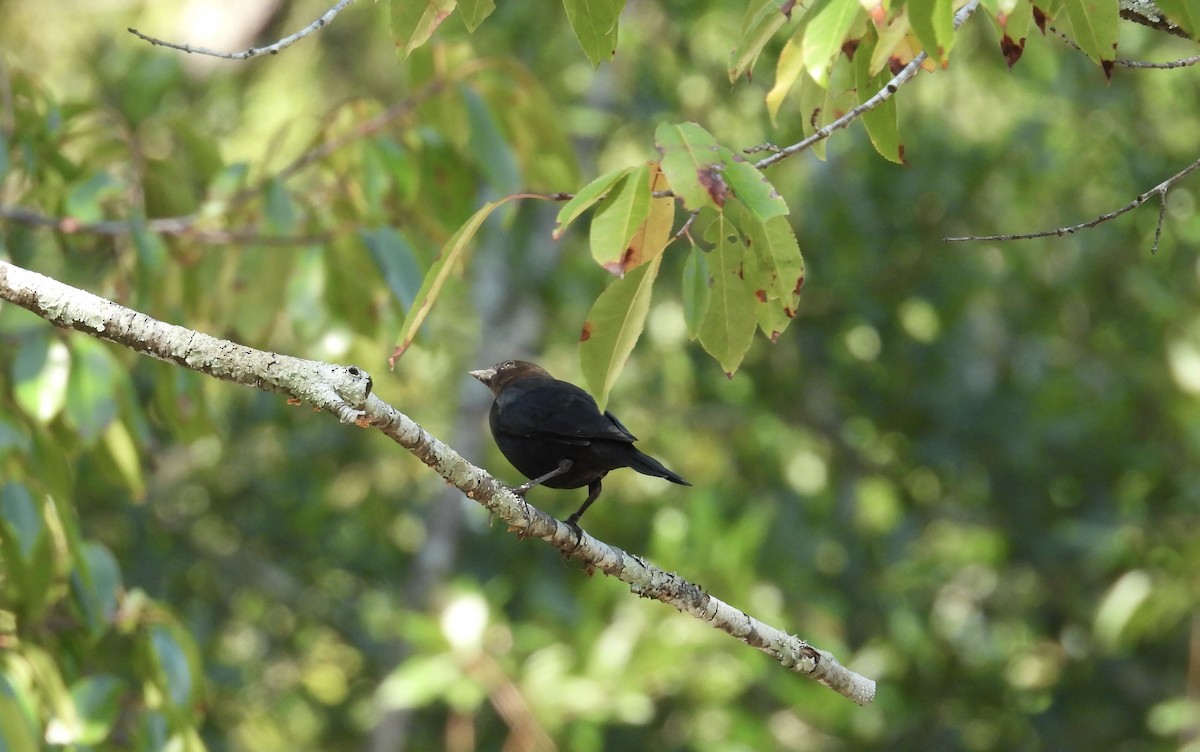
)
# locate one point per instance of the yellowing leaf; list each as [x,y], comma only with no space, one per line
[787,69]
[652,236]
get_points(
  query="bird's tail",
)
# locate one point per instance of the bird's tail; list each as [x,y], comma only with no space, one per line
[647,465]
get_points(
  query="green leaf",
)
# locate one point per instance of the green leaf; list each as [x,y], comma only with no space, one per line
[391,252]
[696,291]
[787,70]
[26,548]
[126,459]
[488,146]
[86,200]
[445,263]
[1186,13]
[3,155]
[414,21]
[173,670]
[751,187]
[18,720]
[21,519]
[474,11]
[613,327]
[762,19]
[96,705]
[774,271]
[1095,23]
[729,323]
[91,402]
[280,211]
[41,370]
[96,582]
[595,25]
[933,24]
[419,681]
[880,121]
[692,163]
[825,35]
[618,219]
[588,195]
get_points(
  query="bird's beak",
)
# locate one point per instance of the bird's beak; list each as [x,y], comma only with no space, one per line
[485,375]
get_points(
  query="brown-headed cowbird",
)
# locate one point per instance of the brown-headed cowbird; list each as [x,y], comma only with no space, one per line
[555,434]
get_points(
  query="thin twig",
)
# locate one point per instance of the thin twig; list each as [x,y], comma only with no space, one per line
[179,226]
[906,73]
[1127,63]
[1159,190]
[270,49]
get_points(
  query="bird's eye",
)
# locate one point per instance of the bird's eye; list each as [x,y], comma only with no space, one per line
[509,364]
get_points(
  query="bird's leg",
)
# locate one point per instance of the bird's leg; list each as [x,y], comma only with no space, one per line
[573,520]
[523,489]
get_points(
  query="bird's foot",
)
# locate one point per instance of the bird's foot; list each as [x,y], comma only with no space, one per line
[573,522]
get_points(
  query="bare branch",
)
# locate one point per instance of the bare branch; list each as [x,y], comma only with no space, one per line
[270,49]
[904,76]
[1159,190]
[345,391]
[1126,63]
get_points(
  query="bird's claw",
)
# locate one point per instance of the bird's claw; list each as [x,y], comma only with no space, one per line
[573,523]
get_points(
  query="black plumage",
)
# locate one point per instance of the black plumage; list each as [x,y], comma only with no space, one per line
[554,433]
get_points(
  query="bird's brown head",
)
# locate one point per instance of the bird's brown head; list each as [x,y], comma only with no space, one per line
[504,373]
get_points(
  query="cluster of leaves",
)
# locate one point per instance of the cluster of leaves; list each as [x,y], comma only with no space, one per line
[840,54]
[91,663]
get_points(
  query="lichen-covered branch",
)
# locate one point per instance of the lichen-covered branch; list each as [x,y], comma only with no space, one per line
[345,391]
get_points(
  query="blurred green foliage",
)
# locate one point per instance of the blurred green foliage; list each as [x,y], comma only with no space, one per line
[970,471]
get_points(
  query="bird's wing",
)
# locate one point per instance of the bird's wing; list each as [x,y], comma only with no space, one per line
[555,410]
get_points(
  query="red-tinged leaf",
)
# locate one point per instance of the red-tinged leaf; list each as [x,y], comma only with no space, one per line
[774,269]
[414,21]
[774,263]
[613,327]
[729,323]
[825,35]
[712,178]
[618,219]
[652,236]
[445,263]
[1014,26]
[1095,24]
[583,200]
[692,163]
